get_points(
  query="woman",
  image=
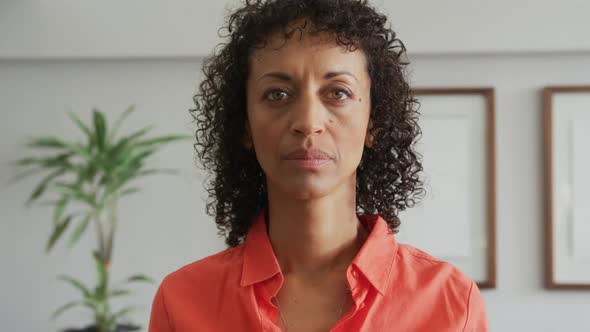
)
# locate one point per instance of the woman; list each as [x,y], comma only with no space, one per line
[307,123]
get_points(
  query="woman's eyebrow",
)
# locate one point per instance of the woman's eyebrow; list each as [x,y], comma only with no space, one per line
[333,74]
[285,77]
[276,74]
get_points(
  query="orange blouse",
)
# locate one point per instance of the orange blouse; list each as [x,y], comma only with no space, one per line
[395,287]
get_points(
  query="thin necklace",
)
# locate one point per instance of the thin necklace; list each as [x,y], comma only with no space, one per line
[284,320]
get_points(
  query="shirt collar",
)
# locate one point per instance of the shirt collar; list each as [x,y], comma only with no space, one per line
[374,259]
[260,262]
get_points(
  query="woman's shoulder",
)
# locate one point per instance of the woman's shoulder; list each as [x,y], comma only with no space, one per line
[436,287]
[193,294]
[421,268]
[207,270]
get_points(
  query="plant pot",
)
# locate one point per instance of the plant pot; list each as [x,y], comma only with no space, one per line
[119,328]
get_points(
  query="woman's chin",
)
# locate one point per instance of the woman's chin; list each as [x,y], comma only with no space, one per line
[306,195]
[305,190]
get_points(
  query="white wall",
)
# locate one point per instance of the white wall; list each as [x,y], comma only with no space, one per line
[165,227]
[148,28]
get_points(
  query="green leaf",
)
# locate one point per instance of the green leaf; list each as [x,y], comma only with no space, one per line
[79,230]
[163,139]
[119,121]
[122,149]
[139,133]
[118,149]
[76,284]
[60,160]
[129,168]
[58,230]
[155,171]
[125,141]
[132,173]
[119,292]
[137,158]
[80,150]
[87,173]
[47,142]
[40,189]
[73,191]
[94,303]
[68,189]
[25,174]
[129,191]
[80,124]
[140,278]
[59,209]
[100,128]
[122,313]
[130,165]
[63,308]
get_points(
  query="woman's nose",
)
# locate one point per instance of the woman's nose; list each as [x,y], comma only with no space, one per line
[308,116]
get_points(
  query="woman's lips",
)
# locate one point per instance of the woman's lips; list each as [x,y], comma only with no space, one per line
[308,158]
[309,163]
[312,153]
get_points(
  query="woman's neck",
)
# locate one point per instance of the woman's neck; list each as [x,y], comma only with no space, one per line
[312,237]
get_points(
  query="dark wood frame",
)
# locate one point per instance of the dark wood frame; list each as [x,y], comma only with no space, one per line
[548,135]
[489,94]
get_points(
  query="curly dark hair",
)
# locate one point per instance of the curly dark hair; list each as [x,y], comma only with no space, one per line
[388,174]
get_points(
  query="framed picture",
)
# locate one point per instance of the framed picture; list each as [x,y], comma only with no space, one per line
[455,221]
[567,174]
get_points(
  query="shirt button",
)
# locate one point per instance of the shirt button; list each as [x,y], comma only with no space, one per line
[355,274]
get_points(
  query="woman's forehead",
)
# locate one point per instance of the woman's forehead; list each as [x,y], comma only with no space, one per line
[305,48]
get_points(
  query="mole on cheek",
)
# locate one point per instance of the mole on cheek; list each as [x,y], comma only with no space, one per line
[360,99]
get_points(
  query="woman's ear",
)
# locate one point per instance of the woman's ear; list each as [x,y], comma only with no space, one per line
[370,136]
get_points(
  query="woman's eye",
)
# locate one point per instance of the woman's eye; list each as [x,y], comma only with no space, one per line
[276,95]
[279,95]
[340,94]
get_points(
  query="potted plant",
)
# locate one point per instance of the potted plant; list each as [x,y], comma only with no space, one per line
[88,179]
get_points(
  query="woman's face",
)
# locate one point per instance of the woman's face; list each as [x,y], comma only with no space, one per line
[308,111]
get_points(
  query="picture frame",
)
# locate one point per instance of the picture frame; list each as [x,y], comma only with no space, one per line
[567,200]
[456,220]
